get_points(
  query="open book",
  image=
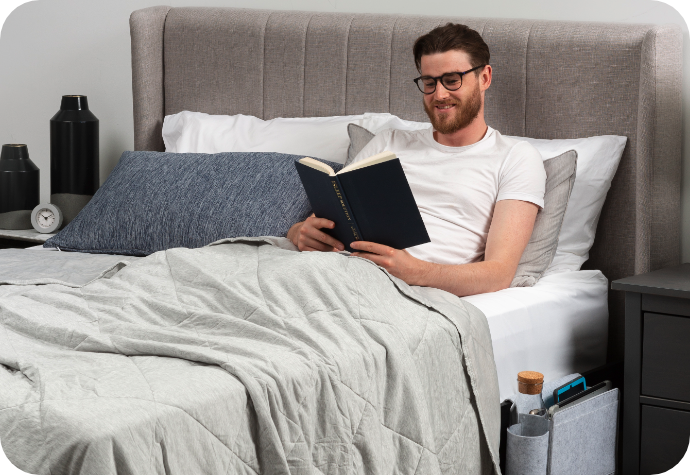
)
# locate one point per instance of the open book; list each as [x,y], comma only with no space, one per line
[369,200]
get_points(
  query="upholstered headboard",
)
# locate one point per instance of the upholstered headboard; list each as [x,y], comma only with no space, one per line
[551,80]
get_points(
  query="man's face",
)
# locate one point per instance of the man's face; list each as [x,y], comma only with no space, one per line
[450,111]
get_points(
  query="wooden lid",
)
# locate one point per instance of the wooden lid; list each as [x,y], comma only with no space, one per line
[530,382]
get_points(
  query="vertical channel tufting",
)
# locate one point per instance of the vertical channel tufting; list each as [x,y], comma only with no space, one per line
[505,99]
[390,70]
[263,69]
[527,50]
[369,64]
[284,64]
[304,63]
[214,60]
[325,64]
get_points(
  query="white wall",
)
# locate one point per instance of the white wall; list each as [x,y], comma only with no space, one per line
[53,47]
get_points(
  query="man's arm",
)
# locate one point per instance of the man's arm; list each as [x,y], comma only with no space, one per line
[510,231]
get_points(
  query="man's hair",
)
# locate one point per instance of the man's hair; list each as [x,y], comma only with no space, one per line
[452,36]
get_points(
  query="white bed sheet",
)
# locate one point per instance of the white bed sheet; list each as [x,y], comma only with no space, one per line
[558,327]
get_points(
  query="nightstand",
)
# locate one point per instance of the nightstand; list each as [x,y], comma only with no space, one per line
[21,238]
[656,395]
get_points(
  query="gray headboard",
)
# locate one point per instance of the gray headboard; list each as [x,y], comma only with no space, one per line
[551,80]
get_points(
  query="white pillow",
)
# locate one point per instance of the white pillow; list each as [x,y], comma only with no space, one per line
[317,137]
[376,122]
[597,162]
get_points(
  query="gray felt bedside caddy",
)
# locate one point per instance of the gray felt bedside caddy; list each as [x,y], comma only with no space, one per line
[576,440]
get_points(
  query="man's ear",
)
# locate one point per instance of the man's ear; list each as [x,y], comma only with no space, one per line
[485,77]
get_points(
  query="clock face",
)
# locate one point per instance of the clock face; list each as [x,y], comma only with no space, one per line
[45,218]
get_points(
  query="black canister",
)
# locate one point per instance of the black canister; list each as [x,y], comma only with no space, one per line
[74,157]
[19,187]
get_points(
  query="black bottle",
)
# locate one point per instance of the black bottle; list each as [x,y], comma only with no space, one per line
[74,156]
[19,187]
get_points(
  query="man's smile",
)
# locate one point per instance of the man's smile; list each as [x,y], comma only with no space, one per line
[444,107]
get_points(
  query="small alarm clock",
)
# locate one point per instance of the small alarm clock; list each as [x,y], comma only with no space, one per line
[46,218]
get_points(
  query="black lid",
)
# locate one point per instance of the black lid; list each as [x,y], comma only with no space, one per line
[14,151]
[74,103]
[15,158]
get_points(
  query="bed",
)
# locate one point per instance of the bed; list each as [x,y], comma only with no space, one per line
[605,79]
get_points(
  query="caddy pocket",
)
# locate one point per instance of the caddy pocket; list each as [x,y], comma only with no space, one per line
[528,446]
[583,437]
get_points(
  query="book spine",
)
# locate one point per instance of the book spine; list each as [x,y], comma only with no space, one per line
[339,192]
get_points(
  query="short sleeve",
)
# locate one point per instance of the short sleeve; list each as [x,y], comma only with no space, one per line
[522,175]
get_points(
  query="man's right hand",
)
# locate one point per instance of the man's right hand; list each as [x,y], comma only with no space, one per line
[307,235]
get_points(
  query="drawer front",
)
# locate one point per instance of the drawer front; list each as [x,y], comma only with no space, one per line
[666,357]
[667,305]
[664,437]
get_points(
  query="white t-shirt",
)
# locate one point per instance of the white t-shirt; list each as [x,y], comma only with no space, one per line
[456,188]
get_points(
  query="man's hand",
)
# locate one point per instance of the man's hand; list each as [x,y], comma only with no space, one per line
[399,263]
[307,235]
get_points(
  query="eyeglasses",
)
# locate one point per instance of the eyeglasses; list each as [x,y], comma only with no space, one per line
[451,81]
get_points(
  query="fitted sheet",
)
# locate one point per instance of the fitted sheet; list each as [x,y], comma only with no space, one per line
[558,327]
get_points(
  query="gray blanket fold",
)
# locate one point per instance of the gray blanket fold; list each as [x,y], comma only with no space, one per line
[55,267]
[245,357]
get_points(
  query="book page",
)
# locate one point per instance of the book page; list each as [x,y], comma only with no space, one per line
[373,160]
[317,165]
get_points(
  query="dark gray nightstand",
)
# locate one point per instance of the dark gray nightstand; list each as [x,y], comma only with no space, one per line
[21,238]
[656,395]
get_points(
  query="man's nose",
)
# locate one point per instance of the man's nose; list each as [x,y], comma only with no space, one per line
[441,92]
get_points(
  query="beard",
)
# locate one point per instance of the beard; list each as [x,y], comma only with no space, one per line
[461,116]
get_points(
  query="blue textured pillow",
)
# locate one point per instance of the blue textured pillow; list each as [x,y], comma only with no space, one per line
[154,201]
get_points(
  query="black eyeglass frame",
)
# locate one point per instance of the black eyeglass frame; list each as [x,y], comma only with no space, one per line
[440,78]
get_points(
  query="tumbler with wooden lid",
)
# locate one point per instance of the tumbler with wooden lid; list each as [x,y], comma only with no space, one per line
[530,384]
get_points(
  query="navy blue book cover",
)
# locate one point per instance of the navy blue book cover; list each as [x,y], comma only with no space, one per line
[372,203]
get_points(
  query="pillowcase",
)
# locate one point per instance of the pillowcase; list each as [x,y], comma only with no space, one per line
[359,137]
[154,201]
[378,121]
[317,137]
[598,159]
[540,250]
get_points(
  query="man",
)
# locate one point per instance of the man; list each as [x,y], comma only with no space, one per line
[477,191]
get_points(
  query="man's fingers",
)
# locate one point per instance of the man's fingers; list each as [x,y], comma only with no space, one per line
[310,232]
[316,244]
[373,247]
[321,222]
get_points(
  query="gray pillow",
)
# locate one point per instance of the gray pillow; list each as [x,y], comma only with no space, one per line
[560,177]
[154,201]
[359,137]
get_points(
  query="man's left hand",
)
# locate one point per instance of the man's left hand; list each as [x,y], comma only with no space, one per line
[398,262]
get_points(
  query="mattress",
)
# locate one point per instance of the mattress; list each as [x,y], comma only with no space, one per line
[558,327]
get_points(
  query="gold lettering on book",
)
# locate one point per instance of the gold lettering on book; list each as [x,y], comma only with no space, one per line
[347,215]
[342,202]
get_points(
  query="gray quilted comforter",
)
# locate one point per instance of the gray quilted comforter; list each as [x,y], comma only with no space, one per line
[242,357]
